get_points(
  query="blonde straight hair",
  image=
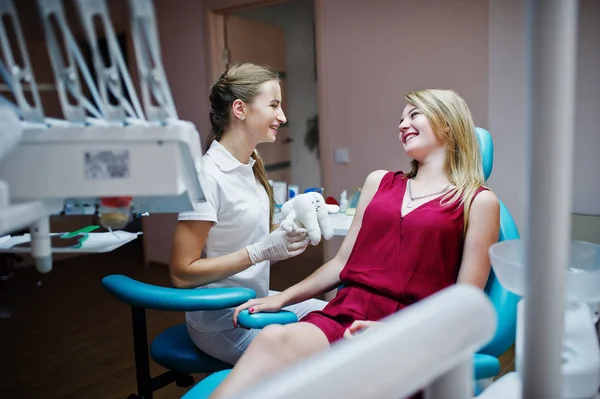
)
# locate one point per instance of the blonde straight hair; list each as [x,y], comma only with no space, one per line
[452,123]
[241,81]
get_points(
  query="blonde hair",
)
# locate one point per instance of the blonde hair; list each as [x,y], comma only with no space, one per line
[241,81]
[452,124]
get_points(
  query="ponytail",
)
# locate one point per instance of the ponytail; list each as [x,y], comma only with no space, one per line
[261,174]
[209,140]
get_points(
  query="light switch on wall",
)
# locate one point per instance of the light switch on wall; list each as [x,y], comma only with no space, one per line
[342,156]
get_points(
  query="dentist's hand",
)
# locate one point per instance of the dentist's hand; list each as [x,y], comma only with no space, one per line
[278,245]
[272,303]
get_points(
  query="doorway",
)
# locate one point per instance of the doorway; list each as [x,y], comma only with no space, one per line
[280,35]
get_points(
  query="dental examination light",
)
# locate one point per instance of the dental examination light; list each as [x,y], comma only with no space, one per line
[106,151]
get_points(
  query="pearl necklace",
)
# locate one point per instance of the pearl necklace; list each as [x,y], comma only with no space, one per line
[410,203]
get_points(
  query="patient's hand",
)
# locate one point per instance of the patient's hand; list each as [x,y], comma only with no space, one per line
[265,304]
[358,327]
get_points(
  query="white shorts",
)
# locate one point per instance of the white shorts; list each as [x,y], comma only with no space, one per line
[229,345]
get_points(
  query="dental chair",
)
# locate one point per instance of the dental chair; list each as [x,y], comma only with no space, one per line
[486,363]
[172,349]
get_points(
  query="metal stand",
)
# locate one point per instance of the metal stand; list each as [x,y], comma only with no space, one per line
[7,268]
[552,49]
[456,384]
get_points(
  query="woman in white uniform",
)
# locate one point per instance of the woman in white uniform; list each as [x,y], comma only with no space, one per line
[227,240]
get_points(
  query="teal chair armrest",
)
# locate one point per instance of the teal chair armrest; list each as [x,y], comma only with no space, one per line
[136,293]
[261,320]
[485,366]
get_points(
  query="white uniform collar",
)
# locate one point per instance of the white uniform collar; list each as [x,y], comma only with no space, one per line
[223,158]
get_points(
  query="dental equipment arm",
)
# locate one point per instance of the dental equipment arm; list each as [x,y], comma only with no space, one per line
[112,152]
[66,71]
[153,80]
[10,132]
[32,213]
[19,74]
[109,70]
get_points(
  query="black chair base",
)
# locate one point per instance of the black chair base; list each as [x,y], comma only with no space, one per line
[184,381]
[161,381]
[147,385]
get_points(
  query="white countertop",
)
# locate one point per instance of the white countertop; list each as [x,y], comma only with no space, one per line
[341,223]
[95,243]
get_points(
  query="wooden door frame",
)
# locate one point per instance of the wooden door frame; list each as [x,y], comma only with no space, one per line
[214,17]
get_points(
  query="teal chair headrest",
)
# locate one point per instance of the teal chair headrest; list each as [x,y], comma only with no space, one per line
[486,145]
[504,301]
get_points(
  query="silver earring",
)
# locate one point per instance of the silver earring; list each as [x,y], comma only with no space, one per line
[242,117]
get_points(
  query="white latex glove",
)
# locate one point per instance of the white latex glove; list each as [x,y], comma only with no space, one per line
[278,245]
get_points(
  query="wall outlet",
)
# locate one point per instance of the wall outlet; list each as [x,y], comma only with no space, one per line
[342,156]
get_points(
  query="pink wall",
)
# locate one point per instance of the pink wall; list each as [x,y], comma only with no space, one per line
[182,40]
[508,111]
[372,53]
[508,104]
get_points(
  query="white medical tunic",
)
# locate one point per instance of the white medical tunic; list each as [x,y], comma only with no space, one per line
[239,207]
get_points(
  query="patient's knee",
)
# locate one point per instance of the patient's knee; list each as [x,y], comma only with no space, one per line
[272,336]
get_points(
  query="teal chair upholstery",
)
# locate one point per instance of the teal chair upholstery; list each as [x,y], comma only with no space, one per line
[206,387]
[260,320]
[172,349]
[486,363]
[504,301]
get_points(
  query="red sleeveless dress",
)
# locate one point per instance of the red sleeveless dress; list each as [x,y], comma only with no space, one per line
[396,260]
